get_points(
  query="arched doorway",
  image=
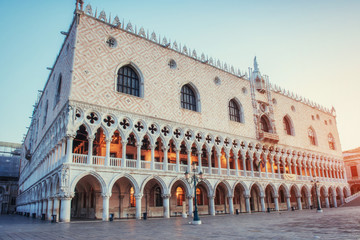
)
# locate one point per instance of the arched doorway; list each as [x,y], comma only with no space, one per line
[282,199]
[221,201]
[269,197]
[239,199]
[152,200]
[255,202]
[122,202]
[178,201]
[87,202]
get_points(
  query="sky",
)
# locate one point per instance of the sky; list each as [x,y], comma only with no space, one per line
[309,47]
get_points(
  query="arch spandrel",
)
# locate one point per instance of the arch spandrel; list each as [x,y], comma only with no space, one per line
[97,176]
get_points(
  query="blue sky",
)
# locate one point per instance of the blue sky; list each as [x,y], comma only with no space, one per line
[309,47]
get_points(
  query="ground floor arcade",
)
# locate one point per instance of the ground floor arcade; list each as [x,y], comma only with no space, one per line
[93,195]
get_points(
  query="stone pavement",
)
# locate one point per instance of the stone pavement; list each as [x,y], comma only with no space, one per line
[339,223]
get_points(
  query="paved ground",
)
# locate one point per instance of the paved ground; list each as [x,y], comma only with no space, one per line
[340,223]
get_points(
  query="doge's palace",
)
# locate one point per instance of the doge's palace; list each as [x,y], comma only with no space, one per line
[125,113]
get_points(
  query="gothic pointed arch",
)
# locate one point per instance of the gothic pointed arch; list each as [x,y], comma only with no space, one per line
[190,97]
[236,112]
[265,124]
[331,141]
[312,136]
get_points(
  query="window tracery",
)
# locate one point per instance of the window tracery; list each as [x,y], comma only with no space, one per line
[188,98]
[128,81]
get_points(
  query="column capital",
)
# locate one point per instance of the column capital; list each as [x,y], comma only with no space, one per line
[138,196]
[189,196]
[166,195]
[106,195]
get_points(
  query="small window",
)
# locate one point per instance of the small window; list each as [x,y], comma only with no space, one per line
[188,98]
[293,108]
[331,140]
[325,122]
[312,117]
[217,81]
[274,101]
[330,121]
[45,112]
[317,117]
[312,137]
[244,90]
[128,81]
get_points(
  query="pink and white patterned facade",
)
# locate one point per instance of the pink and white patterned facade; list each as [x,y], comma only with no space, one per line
[90,145]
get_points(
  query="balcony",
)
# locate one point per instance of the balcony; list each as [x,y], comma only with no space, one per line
[132,164]
[270,137]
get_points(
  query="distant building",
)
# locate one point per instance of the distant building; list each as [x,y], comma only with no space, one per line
[125,113]
[352,166]
[9,176]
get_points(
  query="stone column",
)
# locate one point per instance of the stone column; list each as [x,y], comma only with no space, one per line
[272,169]
[212,205]
[138,198]
[191,204]
[45,206]
[152,166]
[107,155]
[63,149]
[327,204]
[262,201]
[166,204]
[56,208]
[290,171]
[227,156]
[236,159]
[177,150]
[252,167]
[295,169]
[335,201]
[266,168]
[138,155]
[231,205]
[247,203]
[209,161]
[49,208]
[299,203]
[243,157]
[188,159]
[309,201]
[219,162]
[199,152]
[165,160]
[90,152]
[65,209]
[123,160]
[106,198]
[276,201]
[278,168]
[288,203]
[36,210]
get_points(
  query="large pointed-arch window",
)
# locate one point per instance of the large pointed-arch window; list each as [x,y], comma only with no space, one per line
[180,197]
[235,111]
[128,81]
[288,128]
[264,124]
[188,98]
[331,140]
[312,136]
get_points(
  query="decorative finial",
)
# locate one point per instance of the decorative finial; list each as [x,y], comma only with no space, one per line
[256,66]
[81,2]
